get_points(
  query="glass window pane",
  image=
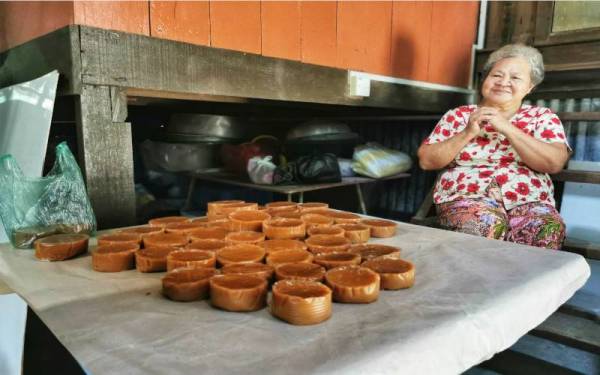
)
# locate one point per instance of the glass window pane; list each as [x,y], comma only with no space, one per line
[575,15]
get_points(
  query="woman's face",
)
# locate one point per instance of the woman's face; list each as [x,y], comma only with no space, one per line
[508,82]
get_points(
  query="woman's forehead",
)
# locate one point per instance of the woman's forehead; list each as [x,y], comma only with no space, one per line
[512,65]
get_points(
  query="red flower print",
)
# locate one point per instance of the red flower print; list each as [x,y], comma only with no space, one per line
[555,120]
[446,133]
[464,156]
[482,141]
[460,177]
[473,187]
[543,196]
[450,118]
[447,184]
[485,174]
[523,171]
[456,125]
[510,195]
[560,135]
[505,142]
[489,129]
[437,130]
[522,188]
[521,124]
[501,179]
[548,134]
[535,182]
[505,160]
[460,187]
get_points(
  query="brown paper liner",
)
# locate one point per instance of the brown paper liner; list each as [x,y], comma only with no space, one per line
[187,284]
[114,238]
[286,214]
[209,244]
[249,237]
[332,260]
[215,206]
[300,271]
[329,231]
[247,220]
[343,217]
[152,259]
[395,273]
[277,245]
[60,246]
[353,284]
[114,257]
[356,233]
[237,207]
[183,228]
[165,239]
[191,258]
[281,206]
[240,253]
[214,233]
[281,229]
[163,221]
[371,251]
[381,228]
[320,243]
[315,220]
[255,269]
[277,258]
[143,231]
[312,206]
[238,292]
[301,302]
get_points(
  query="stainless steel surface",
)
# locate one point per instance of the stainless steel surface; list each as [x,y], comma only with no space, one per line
[317,128]
[206,125]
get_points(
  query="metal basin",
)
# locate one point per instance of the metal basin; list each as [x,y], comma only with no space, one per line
[316,129]
[216,126]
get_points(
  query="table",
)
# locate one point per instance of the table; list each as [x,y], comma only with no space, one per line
[473,297]
[223,177]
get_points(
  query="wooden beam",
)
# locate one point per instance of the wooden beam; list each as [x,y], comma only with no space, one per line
[571,330]
[105,152]
[568,175]
[58,50]
[579,116]
[138,62]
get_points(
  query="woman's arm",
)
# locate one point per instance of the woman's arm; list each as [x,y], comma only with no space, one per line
[540,156]
[438,155]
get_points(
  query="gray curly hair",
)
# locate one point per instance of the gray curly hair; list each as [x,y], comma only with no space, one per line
[530,54]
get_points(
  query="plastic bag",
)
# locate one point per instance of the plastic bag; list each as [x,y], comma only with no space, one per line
[260,170]
[374,160]
[309,169]
[346,167]
[32,208]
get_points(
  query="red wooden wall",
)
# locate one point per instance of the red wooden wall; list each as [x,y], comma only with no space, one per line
[421,40]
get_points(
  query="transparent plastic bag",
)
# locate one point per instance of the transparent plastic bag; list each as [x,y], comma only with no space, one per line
[374,160]
[260,170]
[32,208]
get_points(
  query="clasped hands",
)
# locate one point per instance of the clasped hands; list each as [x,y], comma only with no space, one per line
[484,116]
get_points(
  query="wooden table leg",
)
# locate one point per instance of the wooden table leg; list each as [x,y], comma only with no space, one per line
[106,154]
[361,201]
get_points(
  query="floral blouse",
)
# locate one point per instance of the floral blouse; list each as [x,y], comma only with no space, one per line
[490,157]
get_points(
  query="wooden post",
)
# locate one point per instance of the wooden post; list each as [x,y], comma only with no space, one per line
[105,152]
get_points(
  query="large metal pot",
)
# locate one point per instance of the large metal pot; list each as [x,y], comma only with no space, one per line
[211,127]
[317,128]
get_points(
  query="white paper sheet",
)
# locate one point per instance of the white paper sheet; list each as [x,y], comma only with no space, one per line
[473,297]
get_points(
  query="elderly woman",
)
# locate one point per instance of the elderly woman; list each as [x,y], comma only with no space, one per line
[497,156]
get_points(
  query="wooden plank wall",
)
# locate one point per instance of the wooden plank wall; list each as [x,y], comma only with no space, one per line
[419,40]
